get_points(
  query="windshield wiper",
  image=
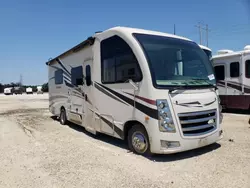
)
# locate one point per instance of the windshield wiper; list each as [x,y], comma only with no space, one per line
[202,79]
[178,88]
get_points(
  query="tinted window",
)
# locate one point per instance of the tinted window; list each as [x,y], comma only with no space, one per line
[220,72]
[77,76]
[209,53]
[88,75]
[248,69]
[176,62]
[58,76]
[118,62]
[234,69]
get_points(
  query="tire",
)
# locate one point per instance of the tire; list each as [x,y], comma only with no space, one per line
[63,117]
[138,141]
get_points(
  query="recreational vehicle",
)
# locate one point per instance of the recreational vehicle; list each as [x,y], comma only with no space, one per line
[18,90]
[29,90]
[232,70]
[39,90]
[155,90]
[207,50]
[8,91]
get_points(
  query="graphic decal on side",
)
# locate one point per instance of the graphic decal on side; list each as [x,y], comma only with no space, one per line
[107,93]
[111,125]
[234,85]
[149,101]
[146,110]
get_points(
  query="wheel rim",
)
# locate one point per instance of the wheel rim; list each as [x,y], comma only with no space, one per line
[62,117]
[139,142]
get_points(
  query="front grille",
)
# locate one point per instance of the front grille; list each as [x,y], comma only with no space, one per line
[198,123]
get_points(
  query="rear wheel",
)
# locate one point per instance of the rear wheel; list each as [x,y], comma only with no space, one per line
[138,141]
[63,117]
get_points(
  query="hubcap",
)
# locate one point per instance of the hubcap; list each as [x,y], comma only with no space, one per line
[139,142]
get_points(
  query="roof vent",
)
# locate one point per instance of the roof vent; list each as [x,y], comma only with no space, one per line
[220,52]
[247,47]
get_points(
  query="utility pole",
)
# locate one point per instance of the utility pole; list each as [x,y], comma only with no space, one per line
[21,80]
[199,26]
[207,30]
[174,29]
[200,33]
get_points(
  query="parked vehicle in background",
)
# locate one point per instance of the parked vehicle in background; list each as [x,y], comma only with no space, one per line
[207,50]
[18,90]
[153,89]
[39,90]
[29,90]
[232,70]
[8,91]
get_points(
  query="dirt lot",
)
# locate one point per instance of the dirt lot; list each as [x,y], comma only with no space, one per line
[36,151]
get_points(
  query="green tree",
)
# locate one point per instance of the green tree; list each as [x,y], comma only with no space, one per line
[1,88]
[45,87]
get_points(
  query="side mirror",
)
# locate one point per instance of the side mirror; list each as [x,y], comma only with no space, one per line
[133,84]
[88,75]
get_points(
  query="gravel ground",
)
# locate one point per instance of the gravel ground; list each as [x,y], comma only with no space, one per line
[36,151]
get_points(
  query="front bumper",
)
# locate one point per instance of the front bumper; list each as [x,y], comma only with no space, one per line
[185,144]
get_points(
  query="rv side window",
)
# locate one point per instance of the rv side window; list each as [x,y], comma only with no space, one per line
[88,75]
[58,76]
[118,62]
[248,69]
[77,76]
[234,69]
[220,72]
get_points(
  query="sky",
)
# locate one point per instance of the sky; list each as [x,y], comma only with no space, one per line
[31,32]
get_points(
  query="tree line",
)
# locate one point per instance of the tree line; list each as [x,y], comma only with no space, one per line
[23,87]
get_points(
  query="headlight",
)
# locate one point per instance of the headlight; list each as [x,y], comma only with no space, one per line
[166,123]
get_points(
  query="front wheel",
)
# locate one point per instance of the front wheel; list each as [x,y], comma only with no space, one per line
[138,141]
[63,117]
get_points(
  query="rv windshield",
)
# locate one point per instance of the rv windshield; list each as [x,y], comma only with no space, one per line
[208,52]
[175,62]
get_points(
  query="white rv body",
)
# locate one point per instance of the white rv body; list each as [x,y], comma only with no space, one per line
[172,119]
[232,70]
[8,91]
[29,90]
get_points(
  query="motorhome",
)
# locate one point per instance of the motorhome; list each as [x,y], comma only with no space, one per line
[8,91]
[207,50]
[39,90]
[18,90]
[29,90]
[154,90]
[232,70]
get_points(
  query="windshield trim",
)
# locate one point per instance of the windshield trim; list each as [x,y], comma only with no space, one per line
[158,86]
[185,87]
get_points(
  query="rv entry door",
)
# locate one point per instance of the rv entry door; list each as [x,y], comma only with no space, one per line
[88,97]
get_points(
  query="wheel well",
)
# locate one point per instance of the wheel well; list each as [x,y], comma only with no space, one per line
[128,125]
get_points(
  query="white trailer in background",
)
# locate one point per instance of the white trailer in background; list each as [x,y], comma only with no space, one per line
[153,89]
[29,90]
[8,91]
[232,71]
[39,90]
